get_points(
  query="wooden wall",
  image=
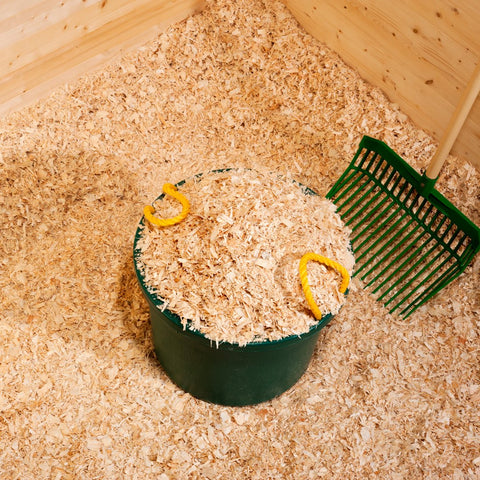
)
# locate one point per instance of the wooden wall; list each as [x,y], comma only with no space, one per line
[44,43]
[421,53]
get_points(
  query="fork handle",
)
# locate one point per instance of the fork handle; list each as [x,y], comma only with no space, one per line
[454,126]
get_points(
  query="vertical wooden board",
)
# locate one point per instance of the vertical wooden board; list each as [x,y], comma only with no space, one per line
[46,43]
[468,142]
[419,53]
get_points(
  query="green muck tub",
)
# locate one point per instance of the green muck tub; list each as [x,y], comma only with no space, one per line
[224,373]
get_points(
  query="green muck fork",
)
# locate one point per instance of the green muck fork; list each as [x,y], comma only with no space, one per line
[408,239]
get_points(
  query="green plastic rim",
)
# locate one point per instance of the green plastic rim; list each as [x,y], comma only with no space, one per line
[159,302]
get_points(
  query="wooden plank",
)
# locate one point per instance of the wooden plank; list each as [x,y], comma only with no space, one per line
[46,43]
[419,53]
[47,31]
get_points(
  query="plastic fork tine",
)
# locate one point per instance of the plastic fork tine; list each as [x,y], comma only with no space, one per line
[405,233]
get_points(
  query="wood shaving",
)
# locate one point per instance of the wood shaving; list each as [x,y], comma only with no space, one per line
[82,395]
[230,269]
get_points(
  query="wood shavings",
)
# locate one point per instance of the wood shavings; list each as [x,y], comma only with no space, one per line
[230,269]
[82,395]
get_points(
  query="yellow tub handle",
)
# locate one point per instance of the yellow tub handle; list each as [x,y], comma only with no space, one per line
[172,191]
[314,257]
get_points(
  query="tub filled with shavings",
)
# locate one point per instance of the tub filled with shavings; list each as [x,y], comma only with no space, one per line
[241,282]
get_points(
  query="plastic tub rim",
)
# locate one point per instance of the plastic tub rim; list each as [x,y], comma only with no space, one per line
[156,300]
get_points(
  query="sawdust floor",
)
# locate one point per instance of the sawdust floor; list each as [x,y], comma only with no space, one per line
[82,395]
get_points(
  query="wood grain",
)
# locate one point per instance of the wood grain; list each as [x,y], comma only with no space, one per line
[46,43]
[420,53]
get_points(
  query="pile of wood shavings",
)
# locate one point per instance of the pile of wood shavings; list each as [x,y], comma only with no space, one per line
[231,267]
[82,395]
